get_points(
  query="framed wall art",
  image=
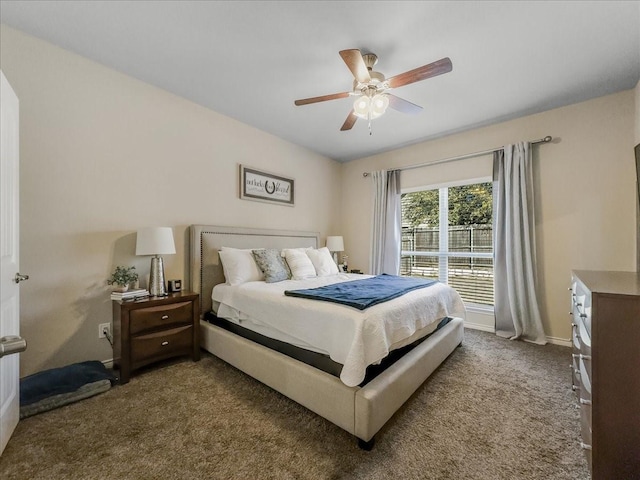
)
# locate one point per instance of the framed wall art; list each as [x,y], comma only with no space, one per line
[265,187]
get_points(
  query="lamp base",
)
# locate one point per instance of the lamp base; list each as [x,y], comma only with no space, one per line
[157,286]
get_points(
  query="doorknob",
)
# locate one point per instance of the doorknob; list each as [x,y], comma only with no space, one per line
[20,278]
[12,344]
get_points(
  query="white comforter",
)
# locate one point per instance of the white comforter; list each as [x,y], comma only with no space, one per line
[351,337]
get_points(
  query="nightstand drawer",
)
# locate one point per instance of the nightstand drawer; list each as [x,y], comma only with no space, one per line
[162,344]
[161,317]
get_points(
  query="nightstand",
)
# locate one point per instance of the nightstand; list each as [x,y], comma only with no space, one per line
[153,329]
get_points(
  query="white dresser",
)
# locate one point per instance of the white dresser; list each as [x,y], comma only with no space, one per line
[606,370]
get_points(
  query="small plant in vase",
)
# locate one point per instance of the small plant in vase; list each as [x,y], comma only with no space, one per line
[122,277]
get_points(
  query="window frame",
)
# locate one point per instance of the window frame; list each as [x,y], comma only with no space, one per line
[443,232]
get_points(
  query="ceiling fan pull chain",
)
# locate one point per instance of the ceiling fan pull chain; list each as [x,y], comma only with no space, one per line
[369,118]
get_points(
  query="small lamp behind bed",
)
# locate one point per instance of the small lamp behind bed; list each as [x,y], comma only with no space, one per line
[335,245]
[156,241]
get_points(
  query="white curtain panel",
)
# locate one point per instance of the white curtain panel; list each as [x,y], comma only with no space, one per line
[386,226]
[516,305]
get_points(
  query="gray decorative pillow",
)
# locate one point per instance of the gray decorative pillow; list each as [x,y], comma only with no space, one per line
[272,264]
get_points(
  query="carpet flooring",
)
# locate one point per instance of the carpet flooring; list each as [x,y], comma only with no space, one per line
[496,409]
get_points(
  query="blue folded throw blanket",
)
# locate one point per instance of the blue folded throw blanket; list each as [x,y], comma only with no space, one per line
[364,293]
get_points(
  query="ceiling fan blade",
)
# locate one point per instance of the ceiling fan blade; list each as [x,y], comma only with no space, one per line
[403,105]
[349,122]
[324,98]
[421,73]
[353,59]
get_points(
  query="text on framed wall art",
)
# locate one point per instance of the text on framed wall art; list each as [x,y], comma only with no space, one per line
[265,187]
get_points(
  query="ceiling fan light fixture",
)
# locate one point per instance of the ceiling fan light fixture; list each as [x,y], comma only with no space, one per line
[361,106]
[379,105]
[370,107]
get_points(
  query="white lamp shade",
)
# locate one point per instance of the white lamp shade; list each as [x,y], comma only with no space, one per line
[155,241]
[335,244]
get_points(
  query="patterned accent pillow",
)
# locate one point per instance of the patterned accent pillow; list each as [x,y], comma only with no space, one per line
[272,264]
[299,263]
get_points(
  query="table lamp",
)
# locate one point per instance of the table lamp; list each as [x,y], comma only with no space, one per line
[335,245]
[156,241]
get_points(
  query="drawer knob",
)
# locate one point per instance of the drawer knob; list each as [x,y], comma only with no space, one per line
[574,387]
[583,315]
[585,357]
[165,343]
[164,317]
[585,401]
[585,446]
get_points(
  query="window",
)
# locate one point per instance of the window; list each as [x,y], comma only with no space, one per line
[447,234]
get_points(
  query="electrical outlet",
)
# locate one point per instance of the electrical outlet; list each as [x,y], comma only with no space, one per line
[102,328]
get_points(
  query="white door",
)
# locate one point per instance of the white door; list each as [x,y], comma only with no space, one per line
[10,341]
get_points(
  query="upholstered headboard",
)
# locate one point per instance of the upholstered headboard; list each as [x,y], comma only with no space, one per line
[206,241]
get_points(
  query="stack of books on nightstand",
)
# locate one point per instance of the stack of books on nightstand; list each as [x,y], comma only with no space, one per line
[135,294]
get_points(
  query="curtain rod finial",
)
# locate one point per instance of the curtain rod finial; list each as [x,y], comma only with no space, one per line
[547,139]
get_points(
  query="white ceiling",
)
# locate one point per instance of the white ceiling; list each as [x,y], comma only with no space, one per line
[251,60]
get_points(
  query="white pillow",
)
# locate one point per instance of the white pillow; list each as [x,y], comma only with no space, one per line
[239,266]
[299,263]
[323,261]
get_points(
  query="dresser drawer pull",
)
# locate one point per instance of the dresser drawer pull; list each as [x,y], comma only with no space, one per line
[164,343]
[585,357]
[584,401]
[583,315]
[164,317]
[574,387]
[585,446]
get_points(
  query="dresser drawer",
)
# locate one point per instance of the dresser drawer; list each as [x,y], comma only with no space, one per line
[575,374]
[162,344]
[575,337]
[161,316]
[584,339]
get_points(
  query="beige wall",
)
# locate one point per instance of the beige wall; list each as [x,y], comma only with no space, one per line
[102,155]
[584,185]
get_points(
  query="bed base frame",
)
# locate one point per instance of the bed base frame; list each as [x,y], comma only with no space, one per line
[361,411]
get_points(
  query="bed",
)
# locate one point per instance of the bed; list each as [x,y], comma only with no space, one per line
[359,408]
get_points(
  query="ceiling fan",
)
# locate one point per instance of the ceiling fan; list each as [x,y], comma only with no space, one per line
[371,88]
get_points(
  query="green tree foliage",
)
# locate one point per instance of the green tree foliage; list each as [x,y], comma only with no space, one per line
[468,205]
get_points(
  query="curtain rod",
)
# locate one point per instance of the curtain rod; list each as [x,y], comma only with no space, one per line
[546,139]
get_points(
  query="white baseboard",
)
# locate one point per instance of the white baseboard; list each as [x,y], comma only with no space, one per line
[479,326]
[108,363]
[485,328]
[559,341]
